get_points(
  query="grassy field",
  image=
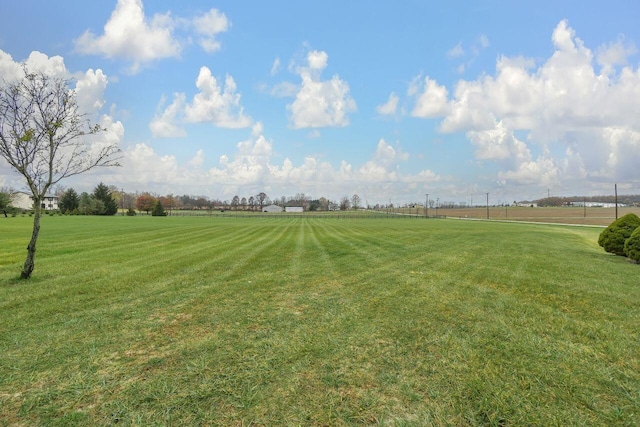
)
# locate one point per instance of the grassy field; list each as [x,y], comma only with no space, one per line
[318,321]
[556,215]
[553,215]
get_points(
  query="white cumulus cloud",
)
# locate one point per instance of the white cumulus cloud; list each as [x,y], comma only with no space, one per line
[165,124]
[140,40]
[390,107]
[129,34]
[320,103]
[214,103]
[432,102]
[90,87]
[208,26]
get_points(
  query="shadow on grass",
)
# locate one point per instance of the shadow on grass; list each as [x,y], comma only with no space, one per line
[16,281]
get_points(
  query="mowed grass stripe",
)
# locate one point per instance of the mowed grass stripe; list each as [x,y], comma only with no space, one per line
[346,249]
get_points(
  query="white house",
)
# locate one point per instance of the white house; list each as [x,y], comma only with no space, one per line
[294,209]
[23,200]
[272,209]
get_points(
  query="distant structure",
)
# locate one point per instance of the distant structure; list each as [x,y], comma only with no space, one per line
[597,204]
[294,209]
[272,209]
[24,201]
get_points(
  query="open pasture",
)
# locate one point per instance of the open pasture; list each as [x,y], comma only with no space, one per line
[555,215]
[316,321]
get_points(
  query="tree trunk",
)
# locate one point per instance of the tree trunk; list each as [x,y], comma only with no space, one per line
[29,263]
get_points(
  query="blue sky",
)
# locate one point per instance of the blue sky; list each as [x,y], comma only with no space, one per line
[387,100]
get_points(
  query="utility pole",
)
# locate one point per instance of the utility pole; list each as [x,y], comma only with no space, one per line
[426,206]
[616,190]
[437,202]
[487,205]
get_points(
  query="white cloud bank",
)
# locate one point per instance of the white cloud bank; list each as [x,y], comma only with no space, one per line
[590,107]
[251,169]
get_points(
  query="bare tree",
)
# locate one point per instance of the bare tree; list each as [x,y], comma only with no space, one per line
[235,202]
[345,203]
[261,199]
[355,201]
[45,138]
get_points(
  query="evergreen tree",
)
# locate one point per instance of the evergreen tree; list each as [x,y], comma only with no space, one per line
[109,205]
[158,210]
[5,201]
[69,201]
[86,205]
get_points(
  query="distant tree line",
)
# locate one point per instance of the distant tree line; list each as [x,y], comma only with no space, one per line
[107,200]
[145,202]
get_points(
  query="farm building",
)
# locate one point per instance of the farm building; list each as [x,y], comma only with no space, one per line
[23,200]
[597,204]
[272,209]
[294,209]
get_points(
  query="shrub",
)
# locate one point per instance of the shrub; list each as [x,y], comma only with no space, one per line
[131,212]
[613,237]
[632,246]
[158,210]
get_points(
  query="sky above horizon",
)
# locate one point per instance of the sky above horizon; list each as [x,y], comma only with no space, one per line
[387,100]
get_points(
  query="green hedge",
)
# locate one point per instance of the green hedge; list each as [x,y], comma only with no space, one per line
[632,246]
[613,238]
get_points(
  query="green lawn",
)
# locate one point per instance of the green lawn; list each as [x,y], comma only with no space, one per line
[318,321]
